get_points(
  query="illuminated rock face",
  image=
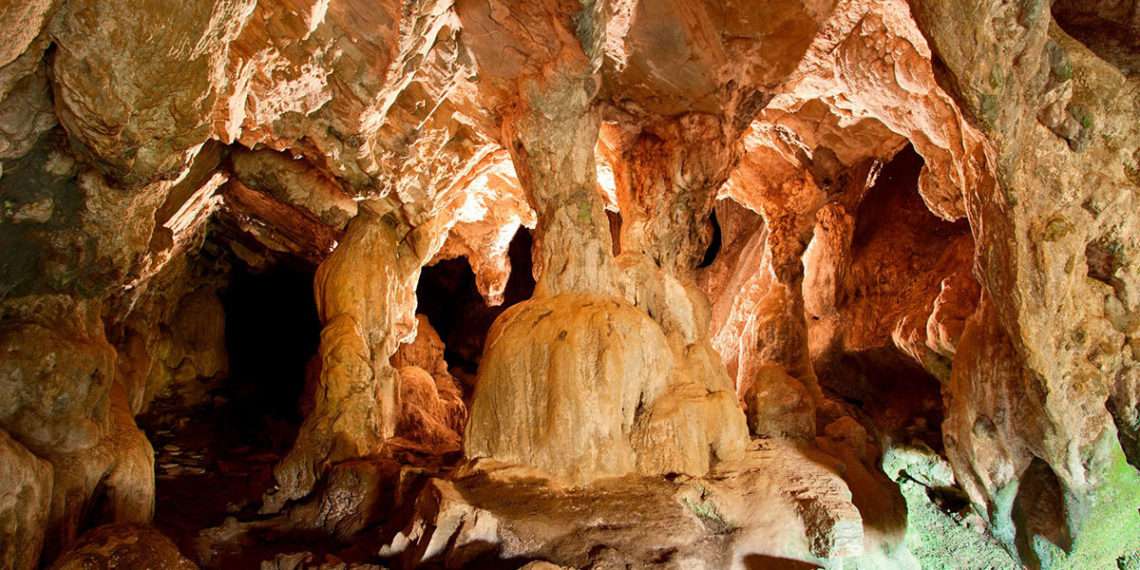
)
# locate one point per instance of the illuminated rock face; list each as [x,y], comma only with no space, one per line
[883,237]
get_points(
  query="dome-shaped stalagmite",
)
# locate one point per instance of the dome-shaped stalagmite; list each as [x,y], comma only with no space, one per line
[573,284]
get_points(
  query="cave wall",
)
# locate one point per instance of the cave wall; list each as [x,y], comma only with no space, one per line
[929,191]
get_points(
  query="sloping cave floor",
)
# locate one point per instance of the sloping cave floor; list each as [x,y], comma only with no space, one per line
[214,459]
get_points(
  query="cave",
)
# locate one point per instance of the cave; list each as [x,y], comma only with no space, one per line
[269,349]
[214,454]
[1109,31]
[896,243]
[447,294]
[552,285]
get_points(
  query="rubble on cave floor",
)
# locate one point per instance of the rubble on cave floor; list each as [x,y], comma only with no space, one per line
[206,469]
[213,467]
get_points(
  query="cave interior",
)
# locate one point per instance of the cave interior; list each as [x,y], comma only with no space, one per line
[544,284]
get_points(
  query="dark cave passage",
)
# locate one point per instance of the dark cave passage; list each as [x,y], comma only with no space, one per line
[272,334]
[448,297]
[900,252]
[893,203]
[714,246]
[1106,29]
[215,458]
[902,399]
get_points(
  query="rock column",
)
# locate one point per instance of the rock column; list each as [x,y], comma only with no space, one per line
[365,293]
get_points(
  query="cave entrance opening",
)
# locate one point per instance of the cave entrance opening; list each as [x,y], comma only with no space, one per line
[215,458]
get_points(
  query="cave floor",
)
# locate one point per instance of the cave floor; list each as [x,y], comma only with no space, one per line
[213,463]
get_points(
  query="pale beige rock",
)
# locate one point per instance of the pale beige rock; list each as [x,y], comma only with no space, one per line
[773,502]
[74,415]
[552,140]
[604,395]
[542,565]
[561,383]
[365,294]
[699,410]
[120,468]
[778,405]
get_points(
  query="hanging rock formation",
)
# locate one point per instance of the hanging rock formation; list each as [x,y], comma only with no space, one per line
[606,392]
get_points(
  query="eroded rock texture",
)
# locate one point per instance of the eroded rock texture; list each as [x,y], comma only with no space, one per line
[123,546]
[833,282]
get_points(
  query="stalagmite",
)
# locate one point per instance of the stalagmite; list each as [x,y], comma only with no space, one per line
[364,298]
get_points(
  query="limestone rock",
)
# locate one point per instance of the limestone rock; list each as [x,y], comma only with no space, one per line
[894,223]
[277,226]
[431,413]
[295,183]
[305,561]
[69,217]
[24,504]
[123,546]
[74,415]
[356,494]
[492,213]
[173,343]
[432,410]
[771,501]
[22,23]
[424,351]
[1034,297]
[144,117]
[366,302]
[119,468]
[56,375]
[778,405]
[558,347]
